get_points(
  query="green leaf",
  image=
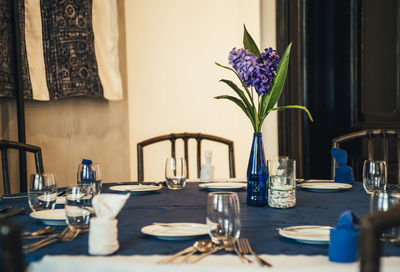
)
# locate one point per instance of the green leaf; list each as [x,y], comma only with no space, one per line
[249,43]
[278,83]
[288,107]
[238,102]
[241,81]
[242,96]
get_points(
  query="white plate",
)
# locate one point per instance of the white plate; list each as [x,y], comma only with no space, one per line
[139,189]
[60,200]
[318,235]
[51,217]
[223,186]
[323,187]
[175,231]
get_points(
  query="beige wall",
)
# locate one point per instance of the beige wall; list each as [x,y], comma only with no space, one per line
[172,79]
[167,53]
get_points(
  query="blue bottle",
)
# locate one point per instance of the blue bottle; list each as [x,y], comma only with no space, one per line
[257,174]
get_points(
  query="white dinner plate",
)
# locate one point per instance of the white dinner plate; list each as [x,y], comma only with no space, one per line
[60,200]
[175,231]
[50,217]
[317,235]
[325,187]
[139,189]
[223,186]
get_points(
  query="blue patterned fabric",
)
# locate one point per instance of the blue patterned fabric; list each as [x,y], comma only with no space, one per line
[259,224]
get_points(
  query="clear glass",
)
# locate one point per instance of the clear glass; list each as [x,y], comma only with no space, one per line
[90,174]
[42,191]
[282,183]
[374,176]
[223,216]
[382,200]
[78,206]
[175,173]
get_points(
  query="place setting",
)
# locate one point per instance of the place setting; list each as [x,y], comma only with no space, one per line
[223,226]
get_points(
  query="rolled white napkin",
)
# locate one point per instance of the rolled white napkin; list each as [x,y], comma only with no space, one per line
[103,234]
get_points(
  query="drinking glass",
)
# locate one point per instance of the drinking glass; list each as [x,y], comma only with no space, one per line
[374,175]
[90,174]
[175,173]
[223,216]
[78,206]
[282,183]
[382,200]
[42,191]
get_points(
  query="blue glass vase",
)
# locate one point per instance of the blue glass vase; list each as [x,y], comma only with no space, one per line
[257,174]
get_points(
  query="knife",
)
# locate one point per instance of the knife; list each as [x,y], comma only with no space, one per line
[11,213]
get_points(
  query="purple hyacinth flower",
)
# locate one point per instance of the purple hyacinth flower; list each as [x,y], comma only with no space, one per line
[244,64]
[265,71]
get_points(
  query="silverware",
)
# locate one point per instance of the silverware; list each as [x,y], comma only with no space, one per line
[66,235]
[12,212]
[201,246]
[39,232]
[201,256]
[229,245]
[244,247]
[176,255]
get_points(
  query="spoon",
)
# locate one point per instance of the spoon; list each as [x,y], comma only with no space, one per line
[201,246]
[38,232]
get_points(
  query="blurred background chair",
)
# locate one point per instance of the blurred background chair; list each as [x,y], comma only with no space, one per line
[379,144]
[198,137]
[4,147]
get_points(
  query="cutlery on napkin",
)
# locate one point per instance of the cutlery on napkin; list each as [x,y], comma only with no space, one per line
[11,212]
[344,239]
[103,235]
[343,172]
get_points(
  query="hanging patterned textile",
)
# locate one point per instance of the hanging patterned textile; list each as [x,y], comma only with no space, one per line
[69,48]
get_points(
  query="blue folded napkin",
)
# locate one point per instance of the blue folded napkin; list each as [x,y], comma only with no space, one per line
[344,239]
[87,174]
[343,173]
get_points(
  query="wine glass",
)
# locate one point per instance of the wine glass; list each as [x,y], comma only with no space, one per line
[89,174]
[223,216]
[383,200]
[374,175]
[42,191]
[175,173]
[78,206]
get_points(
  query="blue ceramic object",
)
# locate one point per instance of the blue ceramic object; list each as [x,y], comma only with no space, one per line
[257,174]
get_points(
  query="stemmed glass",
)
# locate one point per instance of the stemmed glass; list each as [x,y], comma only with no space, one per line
[78,206]
[42,191]
[383,200]
[223,216]
[374,176]
[175,173]
[90,174]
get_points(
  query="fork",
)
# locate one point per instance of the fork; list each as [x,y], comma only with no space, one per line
[244,247]
[229,245]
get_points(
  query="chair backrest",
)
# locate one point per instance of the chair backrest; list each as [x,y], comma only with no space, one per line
[4,146]
[371,135]
[185,137]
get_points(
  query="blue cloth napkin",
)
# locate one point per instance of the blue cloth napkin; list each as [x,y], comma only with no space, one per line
[344,239]
[87,174]
[343,173]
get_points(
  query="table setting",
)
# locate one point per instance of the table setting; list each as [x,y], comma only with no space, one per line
[268,220]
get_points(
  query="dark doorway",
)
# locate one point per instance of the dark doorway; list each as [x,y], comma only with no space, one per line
[344,67]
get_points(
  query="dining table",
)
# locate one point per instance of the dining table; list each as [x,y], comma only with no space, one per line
[142,252]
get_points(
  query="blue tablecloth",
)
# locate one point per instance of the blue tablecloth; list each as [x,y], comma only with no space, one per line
[259,224]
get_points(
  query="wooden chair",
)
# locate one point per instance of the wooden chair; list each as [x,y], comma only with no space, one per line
[185,137]
[4,146]
[381,135]
[370,247]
